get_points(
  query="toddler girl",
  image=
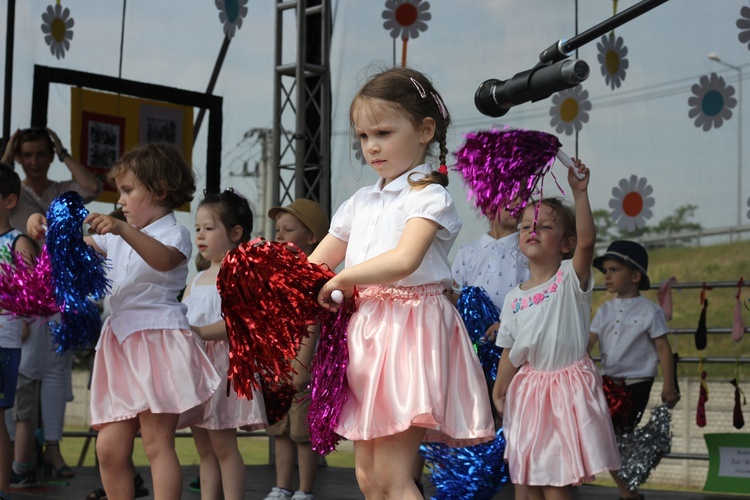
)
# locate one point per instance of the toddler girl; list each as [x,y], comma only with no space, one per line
[412,373]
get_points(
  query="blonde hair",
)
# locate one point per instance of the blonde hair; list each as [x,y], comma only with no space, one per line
[162,170]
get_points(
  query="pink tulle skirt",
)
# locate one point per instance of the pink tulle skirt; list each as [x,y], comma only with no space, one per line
[557,426]
[225,410]
[411,363]
[163,371]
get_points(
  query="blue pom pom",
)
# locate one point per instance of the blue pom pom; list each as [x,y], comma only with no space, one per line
[477,472]
[479,313]
[477,310]
[78,274]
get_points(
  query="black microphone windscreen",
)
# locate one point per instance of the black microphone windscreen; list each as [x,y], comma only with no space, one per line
[484,99]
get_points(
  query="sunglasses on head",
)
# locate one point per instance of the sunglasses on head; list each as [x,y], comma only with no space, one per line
[206,192]
[34,130]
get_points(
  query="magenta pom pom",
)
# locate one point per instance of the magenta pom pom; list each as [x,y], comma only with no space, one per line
[502,167]
[26,290]
[328,372]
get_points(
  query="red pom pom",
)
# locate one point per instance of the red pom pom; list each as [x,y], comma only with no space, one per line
[618,402]
[269,295]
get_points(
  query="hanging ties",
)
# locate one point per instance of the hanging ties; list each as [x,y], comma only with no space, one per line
[700,414]
[738,421]
[738,325]
[701,334]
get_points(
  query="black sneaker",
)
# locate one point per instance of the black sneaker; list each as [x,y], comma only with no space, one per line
[195,485]
[25,480]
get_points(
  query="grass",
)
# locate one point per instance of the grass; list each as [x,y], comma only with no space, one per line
[254,451]
[726,262]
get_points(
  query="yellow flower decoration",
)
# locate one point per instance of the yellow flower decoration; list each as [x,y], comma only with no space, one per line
[231,13]
[570,110]
[612,52]
[57,29]
[406,18]
[631,203]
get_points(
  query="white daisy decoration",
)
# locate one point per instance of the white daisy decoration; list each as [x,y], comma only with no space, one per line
[612,52]
[406,18]
[743,23]
[711,102]
[231,13]
[357,148]
[631,203]
[570,110]
[57,29]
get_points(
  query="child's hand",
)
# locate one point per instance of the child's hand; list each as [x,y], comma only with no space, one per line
[36,226]
[499,402]
[327,302]
[9,155]
[575,183]
[104,224]
[301,379]
[491,333]
[197,330]
[671,398]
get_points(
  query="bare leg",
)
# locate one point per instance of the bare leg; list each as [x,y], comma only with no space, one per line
[394,461]
[533,492]
[520,492]
[24,446]
[157,432]
[416,472]
[364,468]
[307,460]
[114,448]
[625,492]
[286,459]
[556,493]
[224,444]
[209,466]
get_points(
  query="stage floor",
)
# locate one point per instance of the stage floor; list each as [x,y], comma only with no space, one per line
[333,483]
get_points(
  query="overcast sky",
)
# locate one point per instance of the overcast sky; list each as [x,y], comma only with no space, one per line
[642,128]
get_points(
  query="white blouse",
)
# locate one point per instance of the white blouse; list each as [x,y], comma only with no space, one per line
[373,219]
[141,297]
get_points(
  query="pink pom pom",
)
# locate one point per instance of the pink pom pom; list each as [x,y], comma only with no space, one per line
[26,290]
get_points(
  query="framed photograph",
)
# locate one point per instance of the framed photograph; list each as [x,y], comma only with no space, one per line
[102,142]
[160,124]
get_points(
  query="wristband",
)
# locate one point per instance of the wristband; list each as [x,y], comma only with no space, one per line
[62,154]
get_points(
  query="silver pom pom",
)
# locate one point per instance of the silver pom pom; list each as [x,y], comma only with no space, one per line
[642,450]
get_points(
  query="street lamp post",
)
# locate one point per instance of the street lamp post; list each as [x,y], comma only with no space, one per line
[714,57]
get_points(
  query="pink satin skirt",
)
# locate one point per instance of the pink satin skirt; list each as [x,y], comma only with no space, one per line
[411,363]
[163,371]
[557,426]
[227,410]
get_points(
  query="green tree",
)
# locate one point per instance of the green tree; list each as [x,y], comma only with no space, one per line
[605,226]
[678,221]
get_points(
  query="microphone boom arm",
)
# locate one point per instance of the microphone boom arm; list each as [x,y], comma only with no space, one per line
[562,49]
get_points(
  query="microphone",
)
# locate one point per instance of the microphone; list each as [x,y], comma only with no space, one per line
[495,97]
